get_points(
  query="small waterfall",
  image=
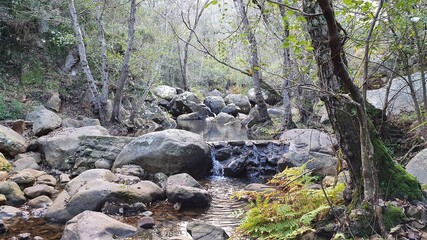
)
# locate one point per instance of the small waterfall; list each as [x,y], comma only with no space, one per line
[217,169]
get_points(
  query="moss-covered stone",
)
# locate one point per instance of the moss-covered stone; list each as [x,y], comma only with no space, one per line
[392,216]
[394,181]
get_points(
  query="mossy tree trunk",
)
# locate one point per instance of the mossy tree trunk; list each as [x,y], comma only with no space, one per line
[393,180]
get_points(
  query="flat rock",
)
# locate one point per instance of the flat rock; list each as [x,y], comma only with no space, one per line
[185,190]
[39,190]
[203,231]
[95,225]
[7,212]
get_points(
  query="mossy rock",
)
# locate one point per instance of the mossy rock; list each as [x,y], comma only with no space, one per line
[392,216]
[394,181]
[4,164]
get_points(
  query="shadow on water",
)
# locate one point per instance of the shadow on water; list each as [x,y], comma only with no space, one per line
[213,131]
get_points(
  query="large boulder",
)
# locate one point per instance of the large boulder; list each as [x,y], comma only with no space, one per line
[44,121]
[399,98]
[58,146]
[239,100]
[310,140]
[170,151]
[165,92]
[186,102]
[320,163]
[93,188]
[203,231]
[311,147]
[417,166]
[214,103]
[11,142]
[96,225]
[184,189]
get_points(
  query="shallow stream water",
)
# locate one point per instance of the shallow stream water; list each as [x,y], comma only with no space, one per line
[224,212]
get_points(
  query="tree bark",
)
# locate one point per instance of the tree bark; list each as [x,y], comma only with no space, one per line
[254,64]
[287,72]
[95,100]
[125,67]
[104,63]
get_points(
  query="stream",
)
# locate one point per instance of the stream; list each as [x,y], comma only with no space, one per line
[224,211]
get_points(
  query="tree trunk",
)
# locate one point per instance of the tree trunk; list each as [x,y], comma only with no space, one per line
[125,67]
[421,61]
[343,114]
[104,64]
[193,26]
[287,72]
[254,64]
[95,100]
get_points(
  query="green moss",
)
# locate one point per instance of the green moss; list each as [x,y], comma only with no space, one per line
[392,216]
[394,181]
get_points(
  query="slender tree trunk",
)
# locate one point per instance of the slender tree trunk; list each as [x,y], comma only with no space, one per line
[254,64]
[287,72]
[193,26]
[104,63]
[125,67]
[367,49]
[95,101]
[421,62]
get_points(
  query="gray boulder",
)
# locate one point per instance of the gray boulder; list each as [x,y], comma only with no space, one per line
[95,225]
[13,193]
[170,151]
[184,189]
[203,231]
[215,92]
[26,177]
[231,109]
[186,102]
[399,98]
[60,145]
[240,100]
[93,188]
[309,140]
[44,121]
[320,163]
[214,103]
[165,92]
[11,142]
[224,118]
[417,166]
[24,163]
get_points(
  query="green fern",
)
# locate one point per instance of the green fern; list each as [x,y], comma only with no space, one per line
[290,211]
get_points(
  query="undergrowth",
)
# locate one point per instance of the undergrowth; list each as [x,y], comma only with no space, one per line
[292,210]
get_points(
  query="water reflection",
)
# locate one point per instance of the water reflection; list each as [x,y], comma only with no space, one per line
[211,130]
